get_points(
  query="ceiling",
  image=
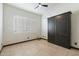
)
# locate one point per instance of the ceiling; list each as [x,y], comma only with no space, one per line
[30,7]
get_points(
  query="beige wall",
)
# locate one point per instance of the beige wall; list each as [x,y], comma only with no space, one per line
[1,24]
[12,37]
[75,29]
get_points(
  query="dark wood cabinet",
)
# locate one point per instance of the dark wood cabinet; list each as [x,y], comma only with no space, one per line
[59,29]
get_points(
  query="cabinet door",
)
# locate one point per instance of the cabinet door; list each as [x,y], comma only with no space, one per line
[62,30]
[51,30]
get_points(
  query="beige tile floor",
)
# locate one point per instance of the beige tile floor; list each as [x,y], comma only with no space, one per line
[37,48]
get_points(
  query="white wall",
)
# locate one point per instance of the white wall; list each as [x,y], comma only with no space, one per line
[1,24]
[61,8]
[75,29]
[11,36]
[44,28]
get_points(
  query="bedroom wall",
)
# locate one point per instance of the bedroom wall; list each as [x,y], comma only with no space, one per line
[1,24]
[11,36]
[61,8]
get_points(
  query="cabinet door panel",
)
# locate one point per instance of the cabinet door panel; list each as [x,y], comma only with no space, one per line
[51,30]
[62,31]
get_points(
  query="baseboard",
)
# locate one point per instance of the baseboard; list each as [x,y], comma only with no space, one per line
[44,38]
[75,48]
[21,42]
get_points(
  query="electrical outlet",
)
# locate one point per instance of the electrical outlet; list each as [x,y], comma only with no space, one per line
[27,37]
[75,43]
[1,44]
[43,36]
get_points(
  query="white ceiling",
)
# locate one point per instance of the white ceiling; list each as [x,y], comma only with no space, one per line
[30,7]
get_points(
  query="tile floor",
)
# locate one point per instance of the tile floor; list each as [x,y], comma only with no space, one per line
[38,48]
